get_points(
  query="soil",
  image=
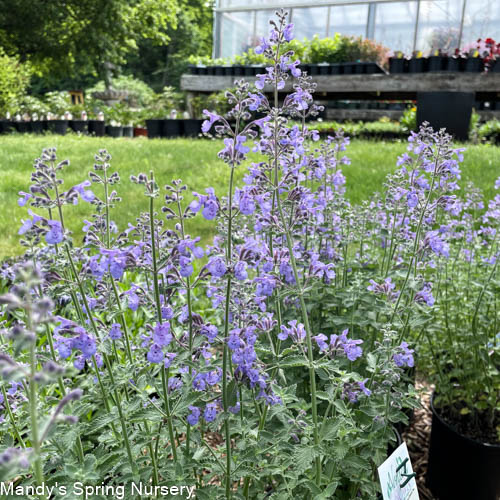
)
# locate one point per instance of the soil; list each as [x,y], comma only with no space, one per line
[417,437]
[476,426]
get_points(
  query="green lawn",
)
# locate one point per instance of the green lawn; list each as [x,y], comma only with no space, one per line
[193,161]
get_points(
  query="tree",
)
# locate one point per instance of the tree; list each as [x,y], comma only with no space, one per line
[162,65]
[14,78]
[60,37]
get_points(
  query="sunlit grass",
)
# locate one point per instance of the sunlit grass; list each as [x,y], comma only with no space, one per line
[193,161]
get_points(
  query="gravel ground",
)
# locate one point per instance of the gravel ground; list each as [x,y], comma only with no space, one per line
[417,437]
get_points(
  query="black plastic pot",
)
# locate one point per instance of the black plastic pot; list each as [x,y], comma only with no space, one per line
[455,64]
[219,71]
[23,127]
[337,69]
[227,71]
[247,70]
[6,126]
[191,127]
[155,128]
[495,68]
[80,126]
[238,70]
[114,131]
[97,128]
[211,70]
[324,69]
[128,131]
[348,68]
[57,126]
[437,63]
[313,69]
[37,127]
[193,70]
[417,64]
[201,70]
[474,65]
[172,128]
[258,70]
[460,468]
[396,65]
[359,68]
[372,68]
[450,110]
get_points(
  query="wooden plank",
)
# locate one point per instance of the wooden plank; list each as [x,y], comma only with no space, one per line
[378,84]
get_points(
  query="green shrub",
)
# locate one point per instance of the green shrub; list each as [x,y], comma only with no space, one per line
[408,120]
[14,79]
[139,93]
[490,131]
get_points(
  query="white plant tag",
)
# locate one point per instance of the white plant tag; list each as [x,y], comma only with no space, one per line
[397,478]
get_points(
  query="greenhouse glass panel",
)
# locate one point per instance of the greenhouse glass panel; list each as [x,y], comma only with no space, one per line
[348,20]
[439,25]
[309,22]
[237,33]
[481,20]
[395,25]
[262,26]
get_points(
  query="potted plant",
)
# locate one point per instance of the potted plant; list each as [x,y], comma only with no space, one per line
[125,116]
[462,358]
[397,63]
[79,123]
[437,61]
[417,63]
[97,125]
[59,104]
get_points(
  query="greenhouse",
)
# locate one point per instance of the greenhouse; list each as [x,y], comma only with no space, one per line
[404,25]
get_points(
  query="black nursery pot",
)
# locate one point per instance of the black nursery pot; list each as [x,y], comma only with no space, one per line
[6,126]
[396,65]
[454,64]
[57,126]
[417,64]
[219,71]
[172,128]
[460,468]
[238,70]
[81,126]
[336,69]
[473,65]
[324,69]
[191,127]
[247,70]
[314,70]
[23,127]
[128,131]
[348,68]
[113,131]
[155,128]
[436,63]
[97,128]
[496,67]
[37,127]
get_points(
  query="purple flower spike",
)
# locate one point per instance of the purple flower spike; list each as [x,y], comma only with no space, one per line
[161,335]
[404,357]
[155,354]
[55,233]
[217,267]
[194,416]
[210,413]
[212,118]
[115,332]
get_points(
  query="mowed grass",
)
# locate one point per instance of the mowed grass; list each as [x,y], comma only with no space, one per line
[193,161]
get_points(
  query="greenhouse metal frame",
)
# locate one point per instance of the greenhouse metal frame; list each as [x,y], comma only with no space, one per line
[405,25]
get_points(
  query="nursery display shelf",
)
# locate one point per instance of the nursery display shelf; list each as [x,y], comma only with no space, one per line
[378,86]
[393,114]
